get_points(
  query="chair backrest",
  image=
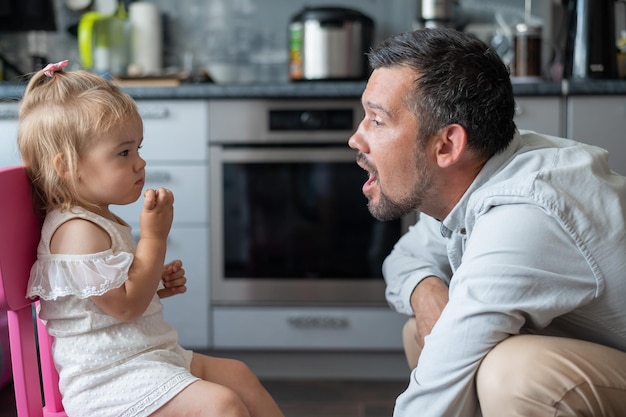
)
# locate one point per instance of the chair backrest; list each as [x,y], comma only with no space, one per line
[32,368]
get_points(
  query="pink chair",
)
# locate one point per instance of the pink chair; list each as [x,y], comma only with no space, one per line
[19,235]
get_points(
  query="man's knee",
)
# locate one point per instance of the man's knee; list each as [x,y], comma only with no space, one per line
[550,376]
[412,349]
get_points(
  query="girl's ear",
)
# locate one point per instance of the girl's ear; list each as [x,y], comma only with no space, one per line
[60,166]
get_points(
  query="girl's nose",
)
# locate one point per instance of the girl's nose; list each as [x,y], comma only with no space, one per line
[141,163]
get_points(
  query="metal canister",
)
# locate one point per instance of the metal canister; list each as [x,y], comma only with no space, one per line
[527,51]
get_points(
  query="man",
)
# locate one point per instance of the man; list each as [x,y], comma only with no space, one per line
[516,271]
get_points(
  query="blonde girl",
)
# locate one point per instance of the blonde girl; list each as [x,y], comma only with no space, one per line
[79,137]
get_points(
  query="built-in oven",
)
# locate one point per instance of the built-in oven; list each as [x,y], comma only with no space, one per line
[289,222]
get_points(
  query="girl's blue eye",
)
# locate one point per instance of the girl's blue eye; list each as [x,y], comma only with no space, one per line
[124,153]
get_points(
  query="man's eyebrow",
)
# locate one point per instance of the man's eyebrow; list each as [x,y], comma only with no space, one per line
[378,107]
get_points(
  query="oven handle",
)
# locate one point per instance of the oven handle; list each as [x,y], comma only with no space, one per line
[220,154]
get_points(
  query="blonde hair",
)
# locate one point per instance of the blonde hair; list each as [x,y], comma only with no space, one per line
[58,118]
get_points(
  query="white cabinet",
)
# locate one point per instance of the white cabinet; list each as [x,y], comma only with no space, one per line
[600,121]
[541,114]
[176,153]
[9,154]
[308,328]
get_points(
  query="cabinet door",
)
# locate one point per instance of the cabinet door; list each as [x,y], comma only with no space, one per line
[600,121]
[9,154]
[189,185]
[189,312]
[174,130]
[541,114]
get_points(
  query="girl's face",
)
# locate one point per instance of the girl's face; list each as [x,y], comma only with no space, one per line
[111,171]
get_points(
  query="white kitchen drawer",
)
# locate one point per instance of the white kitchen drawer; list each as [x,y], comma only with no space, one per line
[189,185]
[174,130]
[600,121]
[189,313]
[541,114]
[302,328]
[9,154]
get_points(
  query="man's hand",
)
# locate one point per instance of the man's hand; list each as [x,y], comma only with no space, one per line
[174,279]
[427,301]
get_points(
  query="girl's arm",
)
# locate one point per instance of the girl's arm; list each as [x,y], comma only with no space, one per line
[129,301]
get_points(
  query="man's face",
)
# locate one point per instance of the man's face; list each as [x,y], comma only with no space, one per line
[389,148]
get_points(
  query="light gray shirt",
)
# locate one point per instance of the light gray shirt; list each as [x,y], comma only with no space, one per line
[537,244]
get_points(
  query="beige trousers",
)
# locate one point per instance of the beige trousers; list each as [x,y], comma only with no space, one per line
[541,376]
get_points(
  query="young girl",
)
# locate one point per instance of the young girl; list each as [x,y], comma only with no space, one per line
[79,137]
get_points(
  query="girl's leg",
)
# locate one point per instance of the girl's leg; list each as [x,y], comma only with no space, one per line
[204,399]
[236,376]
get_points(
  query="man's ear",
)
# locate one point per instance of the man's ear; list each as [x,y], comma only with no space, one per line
[450,145]
[60,166]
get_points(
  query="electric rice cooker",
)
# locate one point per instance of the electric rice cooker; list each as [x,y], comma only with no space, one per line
[329,43]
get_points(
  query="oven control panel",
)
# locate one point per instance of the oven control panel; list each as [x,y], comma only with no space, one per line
[264,121]
[296,119]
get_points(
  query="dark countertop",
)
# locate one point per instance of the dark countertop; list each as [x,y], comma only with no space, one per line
[327,89]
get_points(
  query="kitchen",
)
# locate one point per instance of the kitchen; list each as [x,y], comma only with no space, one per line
[326,338]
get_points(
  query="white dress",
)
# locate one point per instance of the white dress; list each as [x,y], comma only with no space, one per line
[106,367]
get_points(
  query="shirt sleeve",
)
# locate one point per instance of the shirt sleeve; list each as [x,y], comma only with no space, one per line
[520,269]
[419,253]
[54,276]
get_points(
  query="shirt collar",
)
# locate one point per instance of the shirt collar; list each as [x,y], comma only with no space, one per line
[454,223]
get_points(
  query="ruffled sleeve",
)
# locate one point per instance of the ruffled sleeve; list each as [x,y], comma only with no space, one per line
[84,276]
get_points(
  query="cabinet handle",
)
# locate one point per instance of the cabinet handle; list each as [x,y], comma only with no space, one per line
[158,176]
[312,322]
[154,113]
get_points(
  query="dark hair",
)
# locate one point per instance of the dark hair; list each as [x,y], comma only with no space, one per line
[459,79]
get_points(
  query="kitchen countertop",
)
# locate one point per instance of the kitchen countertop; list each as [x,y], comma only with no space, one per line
[328,89]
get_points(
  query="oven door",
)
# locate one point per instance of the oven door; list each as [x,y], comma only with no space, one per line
[290,224]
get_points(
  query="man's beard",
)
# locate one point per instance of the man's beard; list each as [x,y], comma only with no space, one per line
[387,209]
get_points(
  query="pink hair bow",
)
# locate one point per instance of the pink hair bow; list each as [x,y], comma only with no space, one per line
[50,69]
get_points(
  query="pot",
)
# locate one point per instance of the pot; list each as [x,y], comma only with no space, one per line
[329,43]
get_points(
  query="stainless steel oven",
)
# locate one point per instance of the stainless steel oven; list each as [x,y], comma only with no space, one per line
[288,221]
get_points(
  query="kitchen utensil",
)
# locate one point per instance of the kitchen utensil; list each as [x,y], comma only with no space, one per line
[102,41]
[329,43]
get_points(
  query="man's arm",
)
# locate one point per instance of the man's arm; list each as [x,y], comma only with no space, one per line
[419,254]
[428,301]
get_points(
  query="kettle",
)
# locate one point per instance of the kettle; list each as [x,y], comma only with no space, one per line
[103,42]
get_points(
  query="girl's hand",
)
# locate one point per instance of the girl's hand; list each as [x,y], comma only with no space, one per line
[174,279]
[157,215]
